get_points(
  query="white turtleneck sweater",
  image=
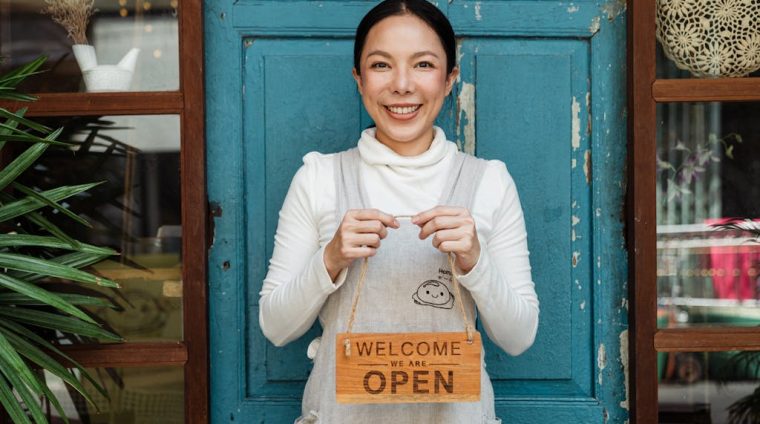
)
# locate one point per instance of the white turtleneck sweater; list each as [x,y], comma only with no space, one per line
[297,283]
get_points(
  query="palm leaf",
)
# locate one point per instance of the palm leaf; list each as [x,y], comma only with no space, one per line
[57,322]
[14,77]
[34,195]
[29,240]
[29,204]
[18,118]
[20,164]
[35,292]
[19,299]
[37,356]
[11,405]
[51,228]
[51,269]
[21,377]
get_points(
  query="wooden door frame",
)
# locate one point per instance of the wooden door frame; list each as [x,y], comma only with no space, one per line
[189,103]
[644,92]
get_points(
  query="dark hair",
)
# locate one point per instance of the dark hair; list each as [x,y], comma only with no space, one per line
[419,8]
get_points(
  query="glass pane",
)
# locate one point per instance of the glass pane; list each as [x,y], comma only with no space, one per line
[136,211]
[114,29]
[137,395]
[709,39]
[708,214]
[708,387]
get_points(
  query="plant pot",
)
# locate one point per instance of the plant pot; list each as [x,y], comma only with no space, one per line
[711,38]
[99,78]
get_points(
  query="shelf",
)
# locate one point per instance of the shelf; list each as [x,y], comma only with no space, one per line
[128,354]
[123,103]
[707,339]
[706,90]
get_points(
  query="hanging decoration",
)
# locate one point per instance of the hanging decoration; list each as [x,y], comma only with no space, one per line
[711,38]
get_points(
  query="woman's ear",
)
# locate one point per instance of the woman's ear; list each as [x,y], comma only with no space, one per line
[358,79]
[453,75]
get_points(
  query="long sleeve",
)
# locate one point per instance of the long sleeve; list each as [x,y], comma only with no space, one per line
[297,283]
[500,282]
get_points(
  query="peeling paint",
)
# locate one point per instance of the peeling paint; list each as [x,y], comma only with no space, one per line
[598,261]
[575,220]
[460,55]
[601,361]
[583,305]
[572,235]
[576,258]
[614,8]
[466,102]
[624,303]
[573,9]
[595,24]
[576,126]
[574,163]
[587,165]
[575,204]
[478,16]
[624,361]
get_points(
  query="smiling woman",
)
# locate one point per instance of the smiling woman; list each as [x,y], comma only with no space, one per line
[404,67]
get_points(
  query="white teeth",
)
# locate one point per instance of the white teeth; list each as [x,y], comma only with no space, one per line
[403,110]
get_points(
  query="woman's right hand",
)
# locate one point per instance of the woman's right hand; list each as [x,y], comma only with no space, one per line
[358,236]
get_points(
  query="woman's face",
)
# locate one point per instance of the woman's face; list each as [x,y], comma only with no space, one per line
[403,82]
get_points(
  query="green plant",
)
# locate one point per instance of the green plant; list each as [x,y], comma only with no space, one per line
[40,263]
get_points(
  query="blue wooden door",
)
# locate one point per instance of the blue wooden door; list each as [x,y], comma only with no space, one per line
[542,88]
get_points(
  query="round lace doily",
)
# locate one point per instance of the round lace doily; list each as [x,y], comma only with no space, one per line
[711,38]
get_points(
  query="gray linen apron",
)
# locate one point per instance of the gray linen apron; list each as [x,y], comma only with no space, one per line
[408,288]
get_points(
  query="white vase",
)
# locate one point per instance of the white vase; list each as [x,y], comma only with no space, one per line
[99,78]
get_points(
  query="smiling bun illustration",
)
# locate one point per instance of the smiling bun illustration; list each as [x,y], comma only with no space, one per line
[434,293]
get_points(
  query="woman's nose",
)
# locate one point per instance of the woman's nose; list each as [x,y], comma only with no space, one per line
[402,82]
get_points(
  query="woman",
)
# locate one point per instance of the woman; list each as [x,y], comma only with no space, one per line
[406,198]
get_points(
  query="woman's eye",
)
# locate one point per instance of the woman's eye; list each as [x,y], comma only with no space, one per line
[425,65]
[378,65]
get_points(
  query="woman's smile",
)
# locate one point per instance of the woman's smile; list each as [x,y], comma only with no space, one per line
[403,112]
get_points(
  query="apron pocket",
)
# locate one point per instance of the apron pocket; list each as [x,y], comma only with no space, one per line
[312,418]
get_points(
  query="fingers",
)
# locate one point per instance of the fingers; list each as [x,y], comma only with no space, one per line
[423,217]
[463,223]
[372,215]
[452,241]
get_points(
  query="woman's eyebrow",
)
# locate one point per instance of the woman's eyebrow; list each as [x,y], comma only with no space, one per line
[415,55]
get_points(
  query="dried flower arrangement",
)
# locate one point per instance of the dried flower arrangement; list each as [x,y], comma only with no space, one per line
[74,15]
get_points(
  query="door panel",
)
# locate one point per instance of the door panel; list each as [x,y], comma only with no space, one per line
[538,90]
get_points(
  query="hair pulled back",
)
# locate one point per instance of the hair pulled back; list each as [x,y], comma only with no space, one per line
[419,8]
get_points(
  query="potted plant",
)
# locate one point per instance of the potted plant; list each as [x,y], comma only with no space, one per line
[74,16]
[41,263]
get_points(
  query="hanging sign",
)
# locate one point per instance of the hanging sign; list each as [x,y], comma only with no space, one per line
[407,367]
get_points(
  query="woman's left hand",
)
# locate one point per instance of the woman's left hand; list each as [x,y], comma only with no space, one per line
[455,232]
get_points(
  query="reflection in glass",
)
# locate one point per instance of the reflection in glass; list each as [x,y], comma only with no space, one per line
[708,214]
[708,387]
[114,29]
[135,395]
[136,211]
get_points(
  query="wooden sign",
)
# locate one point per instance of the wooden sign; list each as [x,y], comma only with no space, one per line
[407,367]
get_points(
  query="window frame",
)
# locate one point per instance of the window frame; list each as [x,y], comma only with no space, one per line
[644,92]
[189,103]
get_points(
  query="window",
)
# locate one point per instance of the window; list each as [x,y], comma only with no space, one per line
[694,164]
[146,142]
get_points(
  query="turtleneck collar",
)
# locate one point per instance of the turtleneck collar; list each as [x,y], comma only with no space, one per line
[373,152]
